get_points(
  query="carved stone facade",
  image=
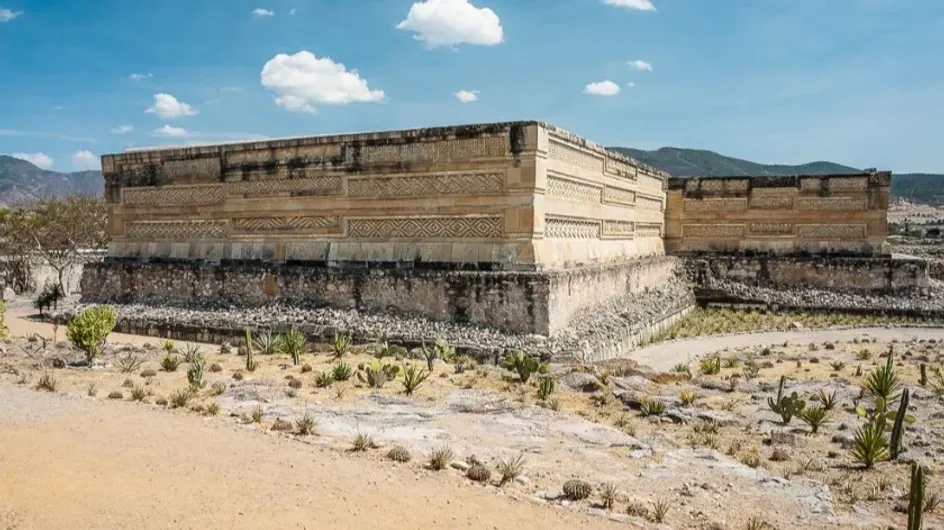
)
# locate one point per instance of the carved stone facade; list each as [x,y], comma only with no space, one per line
[512,196]
[828,214]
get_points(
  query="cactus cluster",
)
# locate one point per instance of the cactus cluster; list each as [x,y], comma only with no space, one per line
[916,498]
[786,406]
[479,473]
[399,454]
[576,490]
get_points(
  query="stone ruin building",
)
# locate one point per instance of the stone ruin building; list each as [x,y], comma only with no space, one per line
[519,226]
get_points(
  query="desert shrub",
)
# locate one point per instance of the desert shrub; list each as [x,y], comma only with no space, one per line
[510,468]
[195,374]
[756,523]
[682,369]
[161,402]
[295,383]
[660,510]
[625,423]
[524,365]
[362,442]
[170,362]
[91,390]
[829,401]
[341,344]
[129,363]
[306,368]
[127,383]
[238,375]
[609,492]
[50,296]
[710,366]
[88,331]
[869,444]
[305,425]
[293,343]
[461,363]
[706,427]
[751,458]
[138,393]
[212,408]
[688,398]
[440,458]
[180,398]
[652,407]
[413,377]
[637,509]
[323,380]
[837,366]
[863,354]
[779,454]
[341,371]
[266,343]
[192,353]
[218,389]
[478,473]
[815,416]
[116,394]
[731,362]
[215,368]
[148,373]
[256,414]
[577,490]
[47,383]
[399,454]
[440,350]
[226,348]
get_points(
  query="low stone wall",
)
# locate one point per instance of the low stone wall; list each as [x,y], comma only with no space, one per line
[522,302]
[885,274]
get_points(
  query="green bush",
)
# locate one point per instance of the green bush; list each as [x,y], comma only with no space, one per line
[88,331]
[292,343]
[524,365]
[50,296]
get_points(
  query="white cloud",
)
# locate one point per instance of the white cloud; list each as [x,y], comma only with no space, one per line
[292,12]
[138,77]
[122,129]
[631,84]
[85,160]
[259,12]
[171,132]
[58,107]
[6,15]
[450,22]
[640,65]
[302,81]
[603,88]
[467,96]
[642,5]
[167,106]
[40,160]
[231,89]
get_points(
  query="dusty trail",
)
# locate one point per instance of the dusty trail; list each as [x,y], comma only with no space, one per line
[664,355]
[81,464]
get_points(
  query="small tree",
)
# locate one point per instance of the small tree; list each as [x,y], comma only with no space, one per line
[89,330]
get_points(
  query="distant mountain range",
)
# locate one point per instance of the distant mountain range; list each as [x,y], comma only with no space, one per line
[21,181]
[915,187]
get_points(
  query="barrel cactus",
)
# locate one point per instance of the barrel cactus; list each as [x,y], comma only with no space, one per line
[576,490]
[479,473]
[399,454]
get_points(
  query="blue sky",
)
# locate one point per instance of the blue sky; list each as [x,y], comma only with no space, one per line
[859,82]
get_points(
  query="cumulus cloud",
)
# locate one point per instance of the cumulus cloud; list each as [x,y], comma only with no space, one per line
[7,15]
[85,160]
[467,96]
[631,84]
[602,88]
[168,131]
[40,160]
[451,22]
[302,81]
[122,129]
[641,5]
[167,106]
[259,12]
[640,65]
[138,77]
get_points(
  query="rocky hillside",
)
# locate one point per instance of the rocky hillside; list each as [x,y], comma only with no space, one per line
[916,187]
[22,182]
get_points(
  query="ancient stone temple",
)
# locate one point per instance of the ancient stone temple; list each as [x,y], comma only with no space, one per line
[514,225]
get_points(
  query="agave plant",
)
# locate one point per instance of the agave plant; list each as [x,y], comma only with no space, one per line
[266,343]
[815,416]
[293,343]
[413,378]
[883,382]
[870,444]
[377,373]
[341,344]
[710,366]
[192,353]
[341,372]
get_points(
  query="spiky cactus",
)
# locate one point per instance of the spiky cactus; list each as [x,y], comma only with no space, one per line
[898,428]
[479,473]
[250,362]
[788,406]
[399,454]
[916,498]
[576,490]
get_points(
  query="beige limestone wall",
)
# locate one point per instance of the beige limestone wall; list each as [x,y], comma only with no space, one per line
[834,214]
[509,196]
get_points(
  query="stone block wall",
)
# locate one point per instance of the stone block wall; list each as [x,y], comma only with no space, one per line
[802,215]
[504,196]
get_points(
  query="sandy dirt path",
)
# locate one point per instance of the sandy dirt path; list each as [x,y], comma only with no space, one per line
[75,463]
[664,355]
